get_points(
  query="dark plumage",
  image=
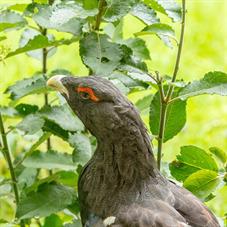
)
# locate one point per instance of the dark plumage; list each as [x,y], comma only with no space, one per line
[121,184]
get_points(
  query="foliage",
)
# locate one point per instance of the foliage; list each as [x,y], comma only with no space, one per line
[46,177]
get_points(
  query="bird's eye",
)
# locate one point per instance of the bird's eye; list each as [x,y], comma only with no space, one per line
[87,93]
[84,95]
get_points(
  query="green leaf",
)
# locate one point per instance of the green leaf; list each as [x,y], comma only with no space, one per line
[31,124]
[29,34]
[169,8]
[50,126]
[116,9]
[11,20]
[41,139]
[53,220]
[145,13]
[7,111]
[144,103]
[138,47]
[114,31]
[32,85]
[136,73]
[63,116]
[211,83]
[82,152]
[25,109]
[202,183]
[18,7]
[68,178]
[38,42]
[99,54]
[175,117]
[5,187]
[220,154]
[49,198]
[90,4]
[163,31]
[27,177]
[126,80]
[63,17]
[190,160]
[49,160]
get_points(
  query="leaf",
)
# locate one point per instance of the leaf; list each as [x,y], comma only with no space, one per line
[82,152]
[7,111]
[144,103]
[145,13]
[41,139]
[49,160]
[32,85]
[50,126]
[169,8]
[99,54]
[40,41]
[68,178]
[175,117]
[27,177]
[62,116]
[63,17]
[163,31]
[190,160]
[49,198]
[11,20]
[5,188]
[116,9]
[136,74]
[25,109]
[31,124]
[138,47]
[18,7]
[202,182]
[53,220]
[126,80]
[220,154]
[114,31]
[212,83]
[29,34]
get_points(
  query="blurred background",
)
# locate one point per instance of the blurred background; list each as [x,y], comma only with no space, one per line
[205,48]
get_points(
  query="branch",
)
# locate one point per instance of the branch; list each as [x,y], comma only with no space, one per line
[102,4]
[164,102]
[176,68]
[7,156]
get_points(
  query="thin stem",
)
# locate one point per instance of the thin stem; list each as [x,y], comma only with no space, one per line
[161,132]
[102,4]
[7,156]
[44,71]
[164,101]
[176,68]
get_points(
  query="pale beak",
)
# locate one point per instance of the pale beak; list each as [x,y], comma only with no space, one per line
[55,83]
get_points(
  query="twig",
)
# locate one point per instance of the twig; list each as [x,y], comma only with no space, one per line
[7,156]
[102,4]
[165,101]
[176,68]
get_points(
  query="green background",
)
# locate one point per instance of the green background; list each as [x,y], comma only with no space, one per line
[204,50]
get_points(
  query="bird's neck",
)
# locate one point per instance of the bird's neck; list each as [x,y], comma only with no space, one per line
[126,156]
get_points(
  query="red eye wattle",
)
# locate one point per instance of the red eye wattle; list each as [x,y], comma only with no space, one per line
[90,93]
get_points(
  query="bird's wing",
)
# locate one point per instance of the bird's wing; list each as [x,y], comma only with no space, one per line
[192,209]
[159,214]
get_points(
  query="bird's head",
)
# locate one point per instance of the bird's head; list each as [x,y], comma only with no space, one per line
[96,101]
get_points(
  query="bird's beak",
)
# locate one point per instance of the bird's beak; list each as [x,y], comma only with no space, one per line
[55,83]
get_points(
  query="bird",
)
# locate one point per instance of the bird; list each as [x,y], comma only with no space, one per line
[121,186]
